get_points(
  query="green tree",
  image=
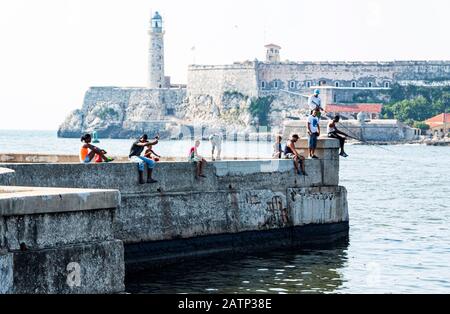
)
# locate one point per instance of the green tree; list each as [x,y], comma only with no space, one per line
[422,126]
[260,108]
[409,110]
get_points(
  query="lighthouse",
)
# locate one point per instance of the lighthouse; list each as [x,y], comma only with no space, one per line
[156,78]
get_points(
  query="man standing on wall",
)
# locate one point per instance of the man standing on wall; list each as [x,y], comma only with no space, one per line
[216,144]
[315,103]
[313,133]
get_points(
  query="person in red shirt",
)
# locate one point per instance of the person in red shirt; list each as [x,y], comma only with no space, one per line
[198,160]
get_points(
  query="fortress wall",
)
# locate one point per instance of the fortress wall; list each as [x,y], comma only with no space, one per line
[343,73]
[215,80]
[421,70]
[346,72]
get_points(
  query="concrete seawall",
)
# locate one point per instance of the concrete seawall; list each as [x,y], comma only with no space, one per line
[55,240]
[237,205]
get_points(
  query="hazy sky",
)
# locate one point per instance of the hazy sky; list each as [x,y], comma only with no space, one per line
[53,50]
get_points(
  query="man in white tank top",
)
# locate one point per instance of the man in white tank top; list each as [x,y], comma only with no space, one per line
[216,143]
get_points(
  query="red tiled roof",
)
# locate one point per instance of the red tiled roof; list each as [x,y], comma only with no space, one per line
[438,120]
[370,108]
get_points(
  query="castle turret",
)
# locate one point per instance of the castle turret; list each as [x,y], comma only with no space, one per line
[272,53]
[156,77]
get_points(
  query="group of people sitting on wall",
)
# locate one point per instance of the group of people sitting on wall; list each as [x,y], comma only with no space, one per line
[89,152]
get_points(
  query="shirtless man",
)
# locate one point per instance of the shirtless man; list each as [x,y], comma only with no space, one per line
[333,132]
[290,152]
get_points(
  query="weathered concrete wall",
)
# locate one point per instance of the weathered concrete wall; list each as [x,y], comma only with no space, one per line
[6,176]
[180,206]
[59,241]
[215,80]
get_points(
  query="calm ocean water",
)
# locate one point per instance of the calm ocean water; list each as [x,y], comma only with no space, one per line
[399,203]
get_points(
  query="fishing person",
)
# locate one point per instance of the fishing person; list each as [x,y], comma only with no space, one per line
[135,156]
[290,152]
[313,133]
[89,151]
[216,144]
[315,103]
[333,132]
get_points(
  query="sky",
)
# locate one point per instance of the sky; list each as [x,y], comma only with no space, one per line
[52,50]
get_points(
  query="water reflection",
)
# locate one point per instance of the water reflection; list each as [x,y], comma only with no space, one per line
[284,271]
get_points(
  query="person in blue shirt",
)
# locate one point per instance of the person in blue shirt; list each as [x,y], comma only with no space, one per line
[313,133]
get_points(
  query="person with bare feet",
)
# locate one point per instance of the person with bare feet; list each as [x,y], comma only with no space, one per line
[198,160]
[88,151]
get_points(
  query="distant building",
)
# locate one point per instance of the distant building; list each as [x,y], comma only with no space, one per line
[372,111]
[272,53]
[156,77]
[440,125]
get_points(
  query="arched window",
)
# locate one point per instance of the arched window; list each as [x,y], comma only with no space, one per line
[353,84]
[263,84]
[275,84]
[387,85]
[292,84]
[370,85]
[336,84]
[308,84]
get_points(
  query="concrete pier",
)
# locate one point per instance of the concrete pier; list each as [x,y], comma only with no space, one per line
[55,240]
[239,204]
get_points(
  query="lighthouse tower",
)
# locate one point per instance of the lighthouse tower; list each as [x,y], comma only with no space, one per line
[156,77]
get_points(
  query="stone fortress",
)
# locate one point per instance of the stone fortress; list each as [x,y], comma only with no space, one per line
[219,96]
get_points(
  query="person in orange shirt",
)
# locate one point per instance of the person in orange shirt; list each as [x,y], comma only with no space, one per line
[89,151]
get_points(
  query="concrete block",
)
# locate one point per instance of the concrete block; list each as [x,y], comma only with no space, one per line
[170,216]
[259,210]
[6,273]
[52,230]
[90,268]
[323,205]
[6,176]
[35,200]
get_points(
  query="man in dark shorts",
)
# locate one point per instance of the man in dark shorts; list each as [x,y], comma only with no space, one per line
[290,152]
[333,132]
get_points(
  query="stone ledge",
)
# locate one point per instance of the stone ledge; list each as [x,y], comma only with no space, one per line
[17,201]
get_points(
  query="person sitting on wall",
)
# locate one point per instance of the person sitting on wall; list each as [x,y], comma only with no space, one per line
[150,153]
[333,132]
[135,156]
[216,143]
[290,152]
[89,151]
[315,103]
[277,148]
[198,160]
[313,133]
